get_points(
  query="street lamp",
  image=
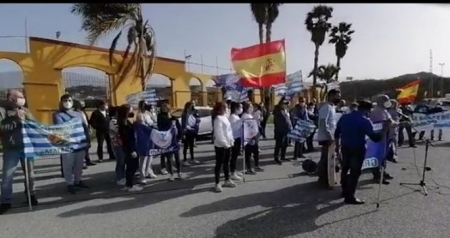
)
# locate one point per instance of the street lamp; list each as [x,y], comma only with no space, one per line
[442,79]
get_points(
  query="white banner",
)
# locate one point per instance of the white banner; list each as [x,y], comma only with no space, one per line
[250,131]
[440,120]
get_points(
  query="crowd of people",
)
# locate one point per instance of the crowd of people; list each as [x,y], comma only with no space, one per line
[115,126]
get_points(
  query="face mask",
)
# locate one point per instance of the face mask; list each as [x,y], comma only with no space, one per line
[131,115]
[20,102]
[239,111]
[106,108]
[387,104]
[250,110]
[67,105]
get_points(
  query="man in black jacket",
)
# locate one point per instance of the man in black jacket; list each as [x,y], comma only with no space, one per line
[100,122]
[283,125]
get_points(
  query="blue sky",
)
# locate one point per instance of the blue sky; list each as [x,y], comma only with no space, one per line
[390,39]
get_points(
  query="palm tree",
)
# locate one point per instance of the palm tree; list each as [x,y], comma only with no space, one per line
[272,15]
[341,36]
[259,11]
[326,73]
[101,19]
[317,24]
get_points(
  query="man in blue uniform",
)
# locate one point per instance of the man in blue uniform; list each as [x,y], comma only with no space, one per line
[350,136]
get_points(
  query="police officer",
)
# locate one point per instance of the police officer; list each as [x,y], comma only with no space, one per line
[350,134]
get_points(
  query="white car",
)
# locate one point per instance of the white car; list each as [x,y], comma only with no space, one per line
[205,127]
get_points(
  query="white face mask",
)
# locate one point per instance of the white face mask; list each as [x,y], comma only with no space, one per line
[387,104]
[67,105]
[239,111]
[20,102]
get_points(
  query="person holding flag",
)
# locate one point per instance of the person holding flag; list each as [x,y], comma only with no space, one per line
[236,127]
[251,148]
[350,136]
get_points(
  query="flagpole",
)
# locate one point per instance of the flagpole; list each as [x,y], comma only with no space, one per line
[27,182]
[26,36]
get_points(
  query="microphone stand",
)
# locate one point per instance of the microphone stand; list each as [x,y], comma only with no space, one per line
[422,183]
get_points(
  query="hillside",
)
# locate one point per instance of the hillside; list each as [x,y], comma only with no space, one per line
[369,87]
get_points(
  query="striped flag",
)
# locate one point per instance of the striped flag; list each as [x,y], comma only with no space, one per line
[225,80]
[294,84]
[149,96]
[408,93]
[302,130]
[40,140]
[237,95]
[261,65]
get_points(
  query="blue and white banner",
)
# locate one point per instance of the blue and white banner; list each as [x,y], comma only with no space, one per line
[148,95]
[294,84]
[226,80]
[151,142]
[376,151]
[250,131]
[237,95]
[440,120]
[302,130]
[40,140]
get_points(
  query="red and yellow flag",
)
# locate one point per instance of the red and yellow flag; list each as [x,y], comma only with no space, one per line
[408,93]
[261,65]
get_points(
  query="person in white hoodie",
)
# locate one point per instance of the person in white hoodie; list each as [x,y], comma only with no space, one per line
[145,162]
[236,127]
[252,147]
[223,141]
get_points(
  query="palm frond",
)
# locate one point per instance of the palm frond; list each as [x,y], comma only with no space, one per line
[113,46]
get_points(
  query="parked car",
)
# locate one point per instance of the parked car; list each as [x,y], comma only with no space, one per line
[205,128]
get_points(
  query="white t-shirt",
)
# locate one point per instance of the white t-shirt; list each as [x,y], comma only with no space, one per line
[223,135]
[327,112]
[236,125]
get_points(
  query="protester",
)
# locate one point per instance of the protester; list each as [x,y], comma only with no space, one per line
[437,107]
[252,147]
[352,144]
[313,116]
[223,141]
[79,106]
[190,122]
[265,116]
[283,125]
[12,114]
[381,114]
[117,146]
[127,136]
[405,124]
[175,154]
[145,162]
[395,112]
[228,101]
[300,113]
[194,110]
[353,107]
[341,107]
[325,132]
[100,122]
[236,127]
[72,163]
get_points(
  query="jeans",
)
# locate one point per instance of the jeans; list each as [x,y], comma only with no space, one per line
[10,161]
[132,167]
[235,150]
[145,166]
[176,156]
[120,163]
[401,137]
[73,166]
[188,143]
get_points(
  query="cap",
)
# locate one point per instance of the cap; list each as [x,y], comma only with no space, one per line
[365,105]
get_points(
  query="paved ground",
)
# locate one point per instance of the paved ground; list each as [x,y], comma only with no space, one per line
[277,203]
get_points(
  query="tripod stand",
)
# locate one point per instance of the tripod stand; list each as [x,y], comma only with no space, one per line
[422,181]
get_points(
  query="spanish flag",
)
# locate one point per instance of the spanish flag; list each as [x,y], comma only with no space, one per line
[408,93]
[261,65]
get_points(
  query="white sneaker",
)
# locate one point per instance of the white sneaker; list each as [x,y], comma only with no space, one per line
[195,161]
[179,176]
[164,171]
[218,188]
[121,182]
[144,182]
[229,184]
[134,189]
[186,163]
[239,174]
[234,176]
[171,178]
[152,175]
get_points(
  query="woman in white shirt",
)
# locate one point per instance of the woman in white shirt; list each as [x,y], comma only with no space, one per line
[223,141]
[251,148]
[236,127]
[145,162]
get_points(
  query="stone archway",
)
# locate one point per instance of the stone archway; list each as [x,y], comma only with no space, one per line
[162,85]
[86,84]
[195,86]
[11,77]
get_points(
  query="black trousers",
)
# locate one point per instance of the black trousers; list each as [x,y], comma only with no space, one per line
[102,137]
[235,151]
[163,161]
[188,143]
[352,161]
[309,143]
[132,165]
[87,158]
[298,149]
[263,127]
[281,144]
[401,138]
[176,156]
[222,160]
[250,150]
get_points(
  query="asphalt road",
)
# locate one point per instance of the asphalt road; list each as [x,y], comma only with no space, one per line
[279,202]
